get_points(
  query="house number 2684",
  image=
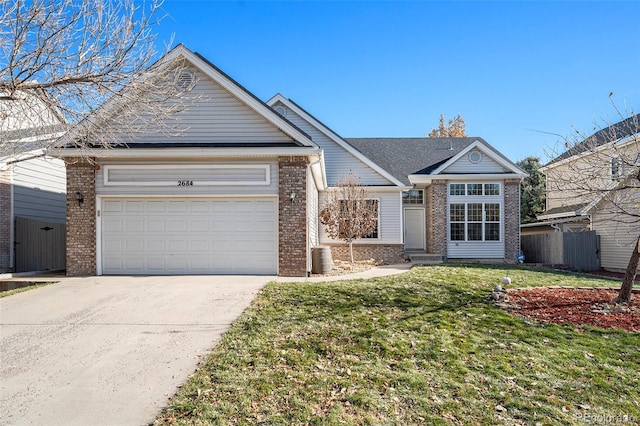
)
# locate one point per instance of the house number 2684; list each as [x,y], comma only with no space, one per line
[185,183]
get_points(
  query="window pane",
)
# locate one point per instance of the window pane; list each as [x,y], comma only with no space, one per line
[456,189]
[474,212]
[491,189]
[414,196]
[475,232]
[492,232]
[456,212]
[457,232]
[372,207]
[474,189]
[492,212]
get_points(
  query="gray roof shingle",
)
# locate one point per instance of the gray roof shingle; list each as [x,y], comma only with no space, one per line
[627,127]
[406,156]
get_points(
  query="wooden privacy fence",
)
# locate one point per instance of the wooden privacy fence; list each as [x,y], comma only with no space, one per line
[40,246]
[578,250]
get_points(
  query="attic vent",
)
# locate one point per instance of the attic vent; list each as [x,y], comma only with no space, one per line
[475,157]
[185,80]
[281,110]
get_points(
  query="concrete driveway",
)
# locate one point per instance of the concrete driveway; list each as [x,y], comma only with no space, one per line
[110,350]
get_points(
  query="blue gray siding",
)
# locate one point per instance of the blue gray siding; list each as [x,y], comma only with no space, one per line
[39,190]
[339,162]
[215,116]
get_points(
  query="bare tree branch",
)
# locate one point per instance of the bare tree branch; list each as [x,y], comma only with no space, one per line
[348,214]
[601,171]
[70,57]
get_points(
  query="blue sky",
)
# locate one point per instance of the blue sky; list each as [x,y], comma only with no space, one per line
[515,71]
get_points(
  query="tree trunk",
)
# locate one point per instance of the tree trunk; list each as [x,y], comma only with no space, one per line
[351,252]
[625,291]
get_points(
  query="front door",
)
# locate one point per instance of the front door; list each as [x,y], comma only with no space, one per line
[414,223]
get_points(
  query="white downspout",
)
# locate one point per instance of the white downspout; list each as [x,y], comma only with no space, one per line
[310,174]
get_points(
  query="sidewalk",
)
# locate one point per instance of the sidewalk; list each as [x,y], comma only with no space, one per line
[376,271]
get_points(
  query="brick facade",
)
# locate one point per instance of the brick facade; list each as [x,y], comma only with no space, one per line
[511,220]
[436,217]
[5,220]
[81,218]
[292,217]
[382,253]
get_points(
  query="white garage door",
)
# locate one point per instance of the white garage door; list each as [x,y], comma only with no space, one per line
[189,236]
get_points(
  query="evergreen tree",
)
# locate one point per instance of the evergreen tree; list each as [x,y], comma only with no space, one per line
[532,190]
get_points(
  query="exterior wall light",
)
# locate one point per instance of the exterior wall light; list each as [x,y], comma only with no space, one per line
[79,197]
[292,197]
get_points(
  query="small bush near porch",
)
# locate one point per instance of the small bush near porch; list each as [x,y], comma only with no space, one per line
[425,347]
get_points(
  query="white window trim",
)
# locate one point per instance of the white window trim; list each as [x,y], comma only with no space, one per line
[483,183]
[413,204]
[476,199]
[466,222]
[379,237]
[378,229]
[186,168]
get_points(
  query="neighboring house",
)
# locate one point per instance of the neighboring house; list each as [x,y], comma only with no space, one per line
[239,190]
[609,159]
[32,186]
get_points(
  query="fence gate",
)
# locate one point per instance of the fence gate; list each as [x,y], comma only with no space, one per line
[39,246]
[581,250]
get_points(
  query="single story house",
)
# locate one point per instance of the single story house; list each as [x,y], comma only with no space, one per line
[239,191]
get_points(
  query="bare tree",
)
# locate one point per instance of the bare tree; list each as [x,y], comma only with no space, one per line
[348,214]
[601,173]
[70,57]
[455,128]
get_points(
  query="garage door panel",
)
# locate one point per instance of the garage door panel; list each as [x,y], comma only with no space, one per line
[134,225]
[177,206]
[200,206]
[156,225]
[156,246]
[178,246]
[200,225]
[198,246]
[134,246]
[183,236]
[133,206]
[112,225]
[112,206]
[133,265]
[155,206]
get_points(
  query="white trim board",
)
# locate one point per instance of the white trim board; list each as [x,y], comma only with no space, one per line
[266,168]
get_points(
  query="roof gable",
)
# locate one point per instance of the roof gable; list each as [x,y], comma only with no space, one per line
[478,158]
[341,157]
[428,157]
[403,157]
[223,114]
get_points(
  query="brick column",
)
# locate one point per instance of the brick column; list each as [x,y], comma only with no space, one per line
[81,217]
[5,220]
[292,217]
[511,219]
[436,216]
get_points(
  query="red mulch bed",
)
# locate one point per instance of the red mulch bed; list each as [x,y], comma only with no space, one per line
[593,307]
